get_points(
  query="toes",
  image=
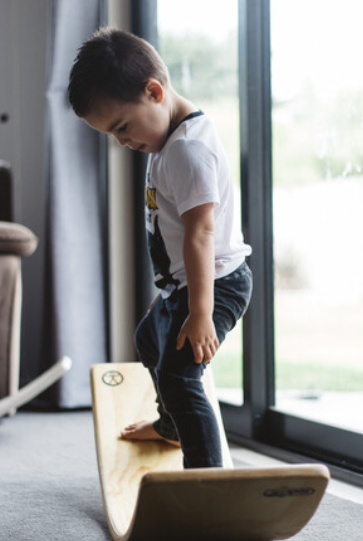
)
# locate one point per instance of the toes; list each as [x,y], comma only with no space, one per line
[134,426]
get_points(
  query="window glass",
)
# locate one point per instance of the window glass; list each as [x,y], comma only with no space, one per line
[317,91]
[199,42]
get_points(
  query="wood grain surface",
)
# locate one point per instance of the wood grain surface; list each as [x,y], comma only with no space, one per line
[148,496]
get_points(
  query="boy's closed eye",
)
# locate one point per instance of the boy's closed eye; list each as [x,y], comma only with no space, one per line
[122,128]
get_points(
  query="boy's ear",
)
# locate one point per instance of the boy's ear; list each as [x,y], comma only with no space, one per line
[155,90]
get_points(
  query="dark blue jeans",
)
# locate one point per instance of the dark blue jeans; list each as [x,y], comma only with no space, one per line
[185,412]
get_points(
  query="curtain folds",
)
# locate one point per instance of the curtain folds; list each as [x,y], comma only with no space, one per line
[75,296]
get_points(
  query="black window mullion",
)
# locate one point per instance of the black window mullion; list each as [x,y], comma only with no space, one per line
[256,191]
[255,124]
[143,24]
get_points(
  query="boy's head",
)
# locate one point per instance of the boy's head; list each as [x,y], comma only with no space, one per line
[113,64]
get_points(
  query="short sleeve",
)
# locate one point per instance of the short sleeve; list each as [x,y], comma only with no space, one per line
[191,169]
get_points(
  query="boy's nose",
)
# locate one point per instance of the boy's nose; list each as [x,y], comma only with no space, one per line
[123,141]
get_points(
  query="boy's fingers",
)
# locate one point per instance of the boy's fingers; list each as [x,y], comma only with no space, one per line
[212,349]
[198,354]
[209,353]
[202,352]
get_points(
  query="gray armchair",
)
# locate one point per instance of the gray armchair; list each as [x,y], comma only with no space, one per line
[16,242]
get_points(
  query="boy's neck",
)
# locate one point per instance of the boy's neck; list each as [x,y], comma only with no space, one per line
[179,109]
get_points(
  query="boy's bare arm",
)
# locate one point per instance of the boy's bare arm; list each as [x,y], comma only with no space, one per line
[198,251]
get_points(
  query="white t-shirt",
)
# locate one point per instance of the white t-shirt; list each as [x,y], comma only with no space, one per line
[190,170]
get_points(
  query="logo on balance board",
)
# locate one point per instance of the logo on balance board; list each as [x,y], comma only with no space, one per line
[284,492]
[112,378]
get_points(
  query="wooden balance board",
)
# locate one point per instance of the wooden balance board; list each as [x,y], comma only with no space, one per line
[149,497]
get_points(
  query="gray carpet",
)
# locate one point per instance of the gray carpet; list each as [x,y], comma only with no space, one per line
[49,487]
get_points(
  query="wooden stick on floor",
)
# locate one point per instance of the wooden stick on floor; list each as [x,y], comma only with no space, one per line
[35,387]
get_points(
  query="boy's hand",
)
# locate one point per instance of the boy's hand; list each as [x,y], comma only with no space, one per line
[200,331]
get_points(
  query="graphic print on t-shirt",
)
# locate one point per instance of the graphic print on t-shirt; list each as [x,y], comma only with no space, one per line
[157,249]
[151,199]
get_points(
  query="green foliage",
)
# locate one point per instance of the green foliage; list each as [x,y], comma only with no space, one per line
[201,68]
[318,139]
[341,135]
[317,376]
[293,376]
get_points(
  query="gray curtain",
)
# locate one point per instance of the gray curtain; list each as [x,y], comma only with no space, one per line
[75,297]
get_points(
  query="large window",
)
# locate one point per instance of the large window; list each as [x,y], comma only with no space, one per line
[282,81]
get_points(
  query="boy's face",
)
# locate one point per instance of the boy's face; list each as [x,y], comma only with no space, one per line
[143,125]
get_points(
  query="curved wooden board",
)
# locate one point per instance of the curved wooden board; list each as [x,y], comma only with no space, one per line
[246,504]
[147,495]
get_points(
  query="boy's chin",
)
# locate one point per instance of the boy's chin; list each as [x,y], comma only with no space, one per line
[139,148]
[143,148]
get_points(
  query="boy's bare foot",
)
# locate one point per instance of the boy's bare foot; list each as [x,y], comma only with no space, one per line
[144,430]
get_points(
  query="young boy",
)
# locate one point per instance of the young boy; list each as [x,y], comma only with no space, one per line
[119,85]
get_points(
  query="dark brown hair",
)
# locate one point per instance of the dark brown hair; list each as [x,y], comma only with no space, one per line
[113,64]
